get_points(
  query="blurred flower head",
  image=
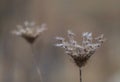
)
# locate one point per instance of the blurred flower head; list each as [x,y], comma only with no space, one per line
[29,31]
[80,52]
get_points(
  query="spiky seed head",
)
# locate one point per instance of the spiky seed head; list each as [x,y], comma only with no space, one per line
[29,31]
[80,52]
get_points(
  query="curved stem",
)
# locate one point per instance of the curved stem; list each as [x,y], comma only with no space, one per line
[80,71]
[37,66]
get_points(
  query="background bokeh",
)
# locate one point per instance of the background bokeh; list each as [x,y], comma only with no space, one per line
[97,16]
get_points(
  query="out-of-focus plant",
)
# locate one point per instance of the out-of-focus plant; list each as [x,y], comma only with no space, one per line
[30,32]
[80,53]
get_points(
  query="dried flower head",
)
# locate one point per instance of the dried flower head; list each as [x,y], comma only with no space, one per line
[80,52]
[29,31]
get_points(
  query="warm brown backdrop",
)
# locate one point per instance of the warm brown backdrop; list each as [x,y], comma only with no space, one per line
[60,15]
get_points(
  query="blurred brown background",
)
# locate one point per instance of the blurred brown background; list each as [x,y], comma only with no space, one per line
[97,16]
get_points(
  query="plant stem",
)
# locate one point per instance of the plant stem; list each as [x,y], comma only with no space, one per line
[37,66]
[80,71]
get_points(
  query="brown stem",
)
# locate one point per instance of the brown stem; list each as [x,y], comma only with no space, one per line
[37,66]
[80,71]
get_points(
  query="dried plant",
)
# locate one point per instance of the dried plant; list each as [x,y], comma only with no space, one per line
[30,32]
[80,52]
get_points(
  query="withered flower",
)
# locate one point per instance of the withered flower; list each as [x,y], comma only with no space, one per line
[80,52]
[29,31]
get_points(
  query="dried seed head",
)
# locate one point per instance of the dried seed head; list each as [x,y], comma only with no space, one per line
[29,31]
[80,53]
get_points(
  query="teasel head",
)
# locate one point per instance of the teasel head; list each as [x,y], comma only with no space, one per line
[80,52]
[29,31]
